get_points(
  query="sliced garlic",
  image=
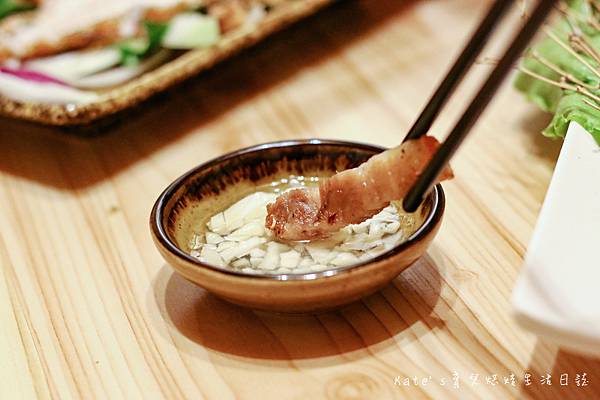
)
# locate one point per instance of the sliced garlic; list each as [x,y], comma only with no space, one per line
[210,256]
[252,207]
[392,227]
[225,245]
[241,263]
[271,260]
[217,224]
[392,240]
[237,237]
[376,230]
[213,238]
[343,259]
[306,262]
[241,248]
[254,228]
[289,259]
[320,254]
[257,253]
[255,262]
[195,243]
[388,214]
[363,227]
[359,242]
[280,246]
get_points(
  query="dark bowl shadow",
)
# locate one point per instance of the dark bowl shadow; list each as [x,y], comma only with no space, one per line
[361,328]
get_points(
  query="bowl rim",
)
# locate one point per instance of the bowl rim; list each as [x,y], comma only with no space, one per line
[160,234]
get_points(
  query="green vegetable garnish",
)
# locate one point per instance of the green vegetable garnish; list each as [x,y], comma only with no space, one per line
[561,74]
[187,30]
[133,50]
[8,7]
[191,31]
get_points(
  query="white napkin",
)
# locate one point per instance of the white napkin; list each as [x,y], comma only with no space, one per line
[558,292]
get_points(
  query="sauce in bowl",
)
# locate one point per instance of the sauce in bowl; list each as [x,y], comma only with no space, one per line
[236,237]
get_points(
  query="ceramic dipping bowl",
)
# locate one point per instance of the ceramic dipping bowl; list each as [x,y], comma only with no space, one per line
[183,209]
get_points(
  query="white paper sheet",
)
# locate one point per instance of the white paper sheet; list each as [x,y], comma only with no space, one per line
[558,293]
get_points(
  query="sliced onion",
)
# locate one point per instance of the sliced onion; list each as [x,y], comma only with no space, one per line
[116,76]
[75,64]
[32,76]
[24,90]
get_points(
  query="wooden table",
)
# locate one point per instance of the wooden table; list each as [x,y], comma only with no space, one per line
[88,309]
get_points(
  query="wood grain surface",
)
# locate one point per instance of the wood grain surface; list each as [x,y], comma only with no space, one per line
[89,310]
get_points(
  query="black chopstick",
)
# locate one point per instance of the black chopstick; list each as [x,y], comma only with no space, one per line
[439,160]
[458,70]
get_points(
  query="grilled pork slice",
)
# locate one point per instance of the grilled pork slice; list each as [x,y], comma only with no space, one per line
[351,196]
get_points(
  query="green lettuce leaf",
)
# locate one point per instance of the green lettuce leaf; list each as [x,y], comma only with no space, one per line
[133,50]
[8,7]
[566,105]
[571,107]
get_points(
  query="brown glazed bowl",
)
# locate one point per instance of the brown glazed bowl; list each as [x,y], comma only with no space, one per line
[187,204]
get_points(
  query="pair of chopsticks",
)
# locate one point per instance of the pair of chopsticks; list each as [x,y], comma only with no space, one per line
[447,149]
